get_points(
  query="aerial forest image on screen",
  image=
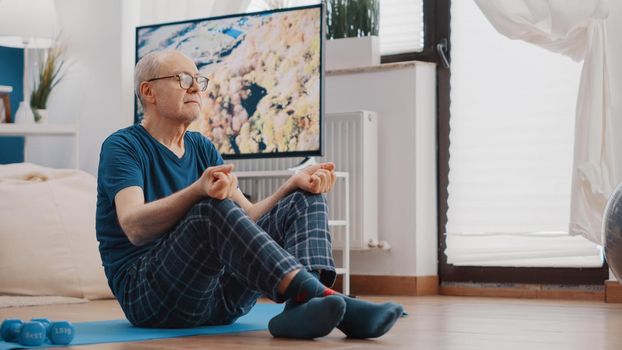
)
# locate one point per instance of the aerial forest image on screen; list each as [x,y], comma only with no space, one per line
[264,75]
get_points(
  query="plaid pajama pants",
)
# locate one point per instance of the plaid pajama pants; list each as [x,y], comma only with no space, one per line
[211,268]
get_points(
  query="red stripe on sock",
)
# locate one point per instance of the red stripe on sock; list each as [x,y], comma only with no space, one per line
[302,297]
[328,291]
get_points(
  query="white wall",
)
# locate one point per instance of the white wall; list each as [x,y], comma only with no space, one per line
[404,99]
[97,90]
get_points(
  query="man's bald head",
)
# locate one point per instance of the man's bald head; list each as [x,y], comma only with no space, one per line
[148,67]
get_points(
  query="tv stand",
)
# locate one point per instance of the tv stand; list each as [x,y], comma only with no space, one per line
[307,161]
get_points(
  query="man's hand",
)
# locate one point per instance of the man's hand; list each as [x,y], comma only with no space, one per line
[318,178]
[218,182]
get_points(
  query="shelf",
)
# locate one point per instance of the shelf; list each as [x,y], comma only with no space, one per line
[9,129]
[33,129]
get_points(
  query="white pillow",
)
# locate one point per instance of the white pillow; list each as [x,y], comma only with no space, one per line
[47,233]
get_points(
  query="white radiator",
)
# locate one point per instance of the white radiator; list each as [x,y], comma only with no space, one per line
[351,142]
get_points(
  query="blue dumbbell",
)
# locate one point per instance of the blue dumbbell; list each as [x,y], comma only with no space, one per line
[10,330]
[62,332]
[46,323]
[32,334]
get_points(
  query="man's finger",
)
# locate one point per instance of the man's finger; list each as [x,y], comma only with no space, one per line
[312,168]
[233,185]
[328,166]
[325,178]
[330,182]
[224,168]
[220,175]
[314,183]
[221,181]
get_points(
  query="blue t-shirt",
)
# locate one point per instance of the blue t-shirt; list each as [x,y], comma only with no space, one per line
[132,157]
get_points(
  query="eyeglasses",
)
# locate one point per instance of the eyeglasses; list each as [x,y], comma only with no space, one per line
[185,80]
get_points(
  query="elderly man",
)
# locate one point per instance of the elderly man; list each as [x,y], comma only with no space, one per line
[181,245]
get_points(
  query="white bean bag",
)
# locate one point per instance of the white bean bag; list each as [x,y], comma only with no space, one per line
[47,233]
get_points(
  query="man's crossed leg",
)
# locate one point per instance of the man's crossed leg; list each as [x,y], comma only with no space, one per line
[216,262]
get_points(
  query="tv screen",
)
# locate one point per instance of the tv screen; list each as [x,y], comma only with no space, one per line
[265,94]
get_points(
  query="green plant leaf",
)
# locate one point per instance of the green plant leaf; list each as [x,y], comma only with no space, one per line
[352,18]
[49,76]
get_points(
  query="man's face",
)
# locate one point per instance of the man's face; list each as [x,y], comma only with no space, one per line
[171,100]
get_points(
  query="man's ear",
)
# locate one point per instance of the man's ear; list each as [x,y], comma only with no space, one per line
[147,92]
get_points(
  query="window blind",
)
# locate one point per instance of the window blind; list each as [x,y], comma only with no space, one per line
[401,26]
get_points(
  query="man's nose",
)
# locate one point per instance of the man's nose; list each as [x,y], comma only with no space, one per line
[195,86]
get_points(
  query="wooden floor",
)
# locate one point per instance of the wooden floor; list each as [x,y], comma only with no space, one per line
[438,322]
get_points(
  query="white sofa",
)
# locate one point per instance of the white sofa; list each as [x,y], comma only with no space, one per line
[47,233]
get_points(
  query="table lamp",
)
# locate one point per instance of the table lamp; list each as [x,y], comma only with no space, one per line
[27,24]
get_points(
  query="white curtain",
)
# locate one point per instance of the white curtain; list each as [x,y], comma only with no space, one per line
[575,28]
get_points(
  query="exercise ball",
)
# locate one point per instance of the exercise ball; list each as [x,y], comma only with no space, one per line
[612,232]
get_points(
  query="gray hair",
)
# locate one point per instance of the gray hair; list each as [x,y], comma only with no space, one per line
[146,68]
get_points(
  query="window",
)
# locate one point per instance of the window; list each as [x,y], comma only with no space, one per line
[511,147]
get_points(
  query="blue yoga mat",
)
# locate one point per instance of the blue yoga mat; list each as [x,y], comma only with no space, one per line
[116,331]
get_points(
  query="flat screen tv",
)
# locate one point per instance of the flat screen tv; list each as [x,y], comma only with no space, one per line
[265,94]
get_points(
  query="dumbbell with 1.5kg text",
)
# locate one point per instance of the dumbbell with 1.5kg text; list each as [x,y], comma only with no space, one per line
[36,331]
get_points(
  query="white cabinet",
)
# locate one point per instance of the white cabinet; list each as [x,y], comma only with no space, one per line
[343,179]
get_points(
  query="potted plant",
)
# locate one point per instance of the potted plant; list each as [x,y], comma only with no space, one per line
[49,77]
[352,33]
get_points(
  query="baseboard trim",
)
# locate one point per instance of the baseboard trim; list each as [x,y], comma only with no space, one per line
[527,291]
[391,285]
[613,292]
